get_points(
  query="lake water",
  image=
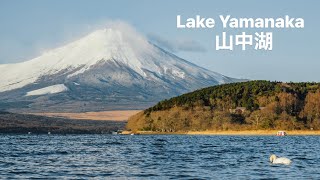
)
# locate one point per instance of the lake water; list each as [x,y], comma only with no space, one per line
[157,157]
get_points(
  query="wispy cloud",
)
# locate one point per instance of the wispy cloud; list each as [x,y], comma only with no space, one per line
[38,44]
[176,45]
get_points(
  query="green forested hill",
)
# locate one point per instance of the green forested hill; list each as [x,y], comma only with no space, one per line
[237,106]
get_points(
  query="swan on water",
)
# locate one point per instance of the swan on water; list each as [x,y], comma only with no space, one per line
[281,160]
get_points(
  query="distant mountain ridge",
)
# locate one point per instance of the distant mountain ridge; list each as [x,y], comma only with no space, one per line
[34,124]
[113,68]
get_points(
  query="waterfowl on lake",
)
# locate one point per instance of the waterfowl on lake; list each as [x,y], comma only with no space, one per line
[281,160]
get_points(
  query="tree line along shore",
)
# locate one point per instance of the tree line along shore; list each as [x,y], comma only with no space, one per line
[35,124]
[244,106]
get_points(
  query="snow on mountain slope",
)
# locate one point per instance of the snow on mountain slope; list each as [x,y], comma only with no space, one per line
[112,68]
[48,90]
[99,46]
[128,48]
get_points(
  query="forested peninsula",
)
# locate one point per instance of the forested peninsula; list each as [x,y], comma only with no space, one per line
[252,105]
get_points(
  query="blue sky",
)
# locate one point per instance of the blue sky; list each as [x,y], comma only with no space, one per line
[30,27]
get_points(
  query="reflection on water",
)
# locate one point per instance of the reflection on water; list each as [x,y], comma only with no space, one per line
[157,156]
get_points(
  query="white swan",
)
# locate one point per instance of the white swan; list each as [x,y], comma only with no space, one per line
[280,160]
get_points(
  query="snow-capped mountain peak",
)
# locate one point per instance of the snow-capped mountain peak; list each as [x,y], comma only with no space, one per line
[101,45]
[115,63]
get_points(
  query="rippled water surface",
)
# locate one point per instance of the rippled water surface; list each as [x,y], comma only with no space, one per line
[157,157]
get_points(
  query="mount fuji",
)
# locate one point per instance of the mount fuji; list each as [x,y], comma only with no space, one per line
[111,68]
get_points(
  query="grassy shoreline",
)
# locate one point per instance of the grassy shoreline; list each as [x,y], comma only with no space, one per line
[120,115]
[233,133]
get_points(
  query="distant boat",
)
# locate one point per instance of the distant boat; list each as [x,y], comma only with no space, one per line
[114,132]
[132,134]
[281,133]
[49,132]
[29,132]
